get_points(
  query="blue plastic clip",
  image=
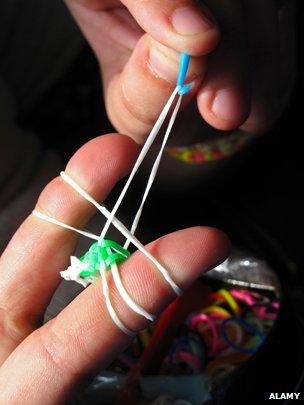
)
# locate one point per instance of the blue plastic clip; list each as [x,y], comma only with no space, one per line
[183,68]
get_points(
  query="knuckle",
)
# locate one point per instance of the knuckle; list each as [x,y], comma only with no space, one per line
[54,349]
[16,329]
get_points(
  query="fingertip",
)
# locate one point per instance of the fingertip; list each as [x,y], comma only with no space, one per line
[111,153]
[194,29]
[191,252]
[224,109]
[184,26]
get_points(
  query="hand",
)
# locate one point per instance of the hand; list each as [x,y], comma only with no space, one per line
[43,364]
[244,83]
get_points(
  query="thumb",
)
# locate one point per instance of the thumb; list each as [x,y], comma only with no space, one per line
[135,97]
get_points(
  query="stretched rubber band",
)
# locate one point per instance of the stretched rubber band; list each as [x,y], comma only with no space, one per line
[63,225]
[124,231]
[140,159]
[181,89]
[126,297]
[112,313]
[154,171]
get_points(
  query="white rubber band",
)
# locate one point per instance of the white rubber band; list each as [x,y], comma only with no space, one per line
[112,313]
[124,231]
[140,158]
[126,297]
[154,170]
[63,225]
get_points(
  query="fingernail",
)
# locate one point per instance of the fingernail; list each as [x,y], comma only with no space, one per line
[162,65]
[189,21]
[225,105]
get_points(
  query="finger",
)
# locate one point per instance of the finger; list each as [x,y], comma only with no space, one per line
[264,64]
[183,25]
[135,98]
[30,265]
[223,99]
[83,338]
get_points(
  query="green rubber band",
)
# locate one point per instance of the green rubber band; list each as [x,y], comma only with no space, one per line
[103,253]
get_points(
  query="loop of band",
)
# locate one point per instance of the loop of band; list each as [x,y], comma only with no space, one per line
[143,152]
[123,230]
[248,327]
[154,171]
[126,297]
[98,254]
[113,315]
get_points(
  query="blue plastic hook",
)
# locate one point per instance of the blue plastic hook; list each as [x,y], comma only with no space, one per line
[183,68]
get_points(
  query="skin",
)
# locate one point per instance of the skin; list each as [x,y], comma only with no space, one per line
[44,364]
[243,55]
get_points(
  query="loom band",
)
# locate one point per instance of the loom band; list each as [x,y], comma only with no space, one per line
[216,311]
[261,310]
[203,318]
[230,300]
[182,90]
[146,147]
[220,344]
[154,171]
[183,344]
[109,261]
[100,253]
[127,298]
[87,273]
[248,327]
[244,296]
[54,221]
[178,291]
[112,261]
[111,311]
[114,258]
[185,89]
[184,61]
[115,246]
[238,337]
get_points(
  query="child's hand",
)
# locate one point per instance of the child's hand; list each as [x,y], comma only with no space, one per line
[244,83]
[42,365]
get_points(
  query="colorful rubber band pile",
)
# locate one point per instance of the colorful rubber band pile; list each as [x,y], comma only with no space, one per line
[223,334]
